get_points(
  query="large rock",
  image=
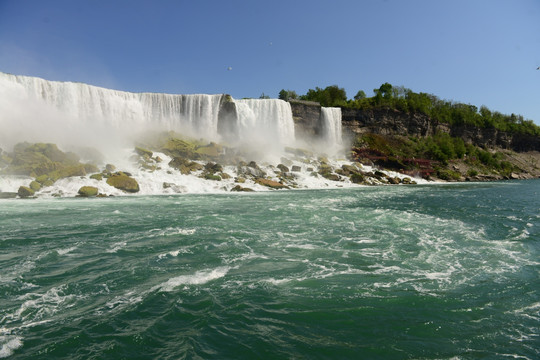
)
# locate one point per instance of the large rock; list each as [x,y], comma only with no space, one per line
[123,182]
[271,184]
[88,191]
[143,152]
[34,185]
[239,188]
[7,195]
[25,191]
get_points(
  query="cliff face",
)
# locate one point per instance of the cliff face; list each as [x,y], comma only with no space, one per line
[394,122]
[306,116]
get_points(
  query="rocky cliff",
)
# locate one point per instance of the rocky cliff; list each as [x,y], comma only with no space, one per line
[394,122]
[306,115]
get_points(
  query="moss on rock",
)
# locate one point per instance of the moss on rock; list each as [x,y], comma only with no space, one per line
[123,182]
[25,191]
[143,152]
[34,185]
[88,191]
[239,188]
[97,176]
[271,184]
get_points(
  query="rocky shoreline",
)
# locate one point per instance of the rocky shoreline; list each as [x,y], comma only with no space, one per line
[42,165]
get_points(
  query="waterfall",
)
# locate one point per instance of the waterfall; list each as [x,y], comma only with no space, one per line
[81,104]
[265,119]
[330,124]
[33,109]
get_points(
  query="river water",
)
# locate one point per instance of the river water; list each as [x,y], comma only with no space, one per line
[390,272]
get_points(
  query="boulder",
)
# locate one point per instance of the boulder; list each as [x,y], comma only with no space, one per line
[241,189]
[42,178]
[25,191]
[330,176]
[357,178]
[394,180]
[88,191]
[123,182]
[34,185]
[213,167]
[8,195]
[271,183]
[143,152]
[211,150]
[283,168]
[97,176]
[251,171]
[296,168]
[209,176]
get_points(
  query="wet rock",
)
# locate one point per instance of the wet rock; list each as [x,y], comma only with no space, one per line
[143,152]
[213,167]
[97,176]
[271,184]
[8,195]
[241,189]
[296,168]
[167,185]
[283,168]
[251,172]
[357,178]
[332,177]
[208,176]
[211,150]
[88,191]
[34,185]
[25,192]
[124,182]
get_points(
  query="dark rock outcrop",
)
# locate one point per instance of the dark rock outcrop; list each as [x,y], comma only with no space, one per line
[394,122]
[306,116]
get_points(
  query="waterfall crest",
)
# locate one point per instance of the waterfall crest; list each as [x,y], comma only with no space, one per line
[78,106]
[82,104]
[269,119]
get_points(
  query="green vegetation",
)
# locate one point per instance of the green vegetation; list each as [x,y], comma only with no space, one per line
[402,99]
[431,155]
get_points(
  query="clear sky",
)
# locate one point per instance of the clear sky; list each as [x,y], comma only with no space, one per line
[482,52]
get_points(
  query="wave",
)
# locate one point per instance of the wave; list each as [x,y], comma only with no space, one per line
[199,278]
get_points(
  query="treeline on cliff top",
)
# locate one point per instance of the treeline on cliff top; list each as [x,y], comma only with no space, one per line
[402,99]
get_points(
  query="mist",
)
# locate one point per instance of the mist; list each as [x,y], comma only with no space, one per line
[77,116]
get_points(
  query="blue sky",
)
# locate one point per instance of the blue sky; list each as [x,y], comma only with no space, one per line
[482,52]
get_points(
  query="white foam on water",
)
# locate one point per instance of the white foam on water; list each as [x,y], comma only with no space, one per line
[9,343]
[174,253]
[117,246]
[66,250]
[199,278]
[129,298]
[170,231]
[37,308]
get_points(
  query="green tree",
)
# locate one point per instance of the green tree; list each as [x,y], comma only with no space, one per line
[329,96]
[287,95]
[360,95]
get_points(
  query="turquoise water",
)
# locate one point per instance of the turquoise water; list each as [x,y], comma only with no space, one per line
[416,272]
